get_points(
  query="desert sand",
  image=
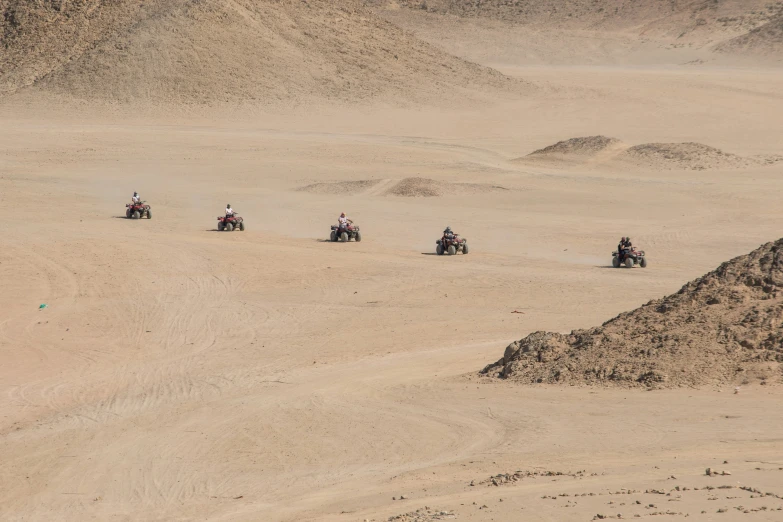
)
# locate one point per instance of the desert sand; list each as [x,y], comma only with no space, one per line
[180,373]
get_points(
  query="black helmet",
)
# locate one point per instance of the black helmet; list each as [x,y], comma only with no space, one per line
[135,193]
[228,205]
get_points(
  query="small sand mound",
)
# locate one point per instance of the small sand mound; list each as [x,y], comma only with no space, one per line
[340,187]
[685,156]
[424,187]
[585,146]
[724,327]
[417,187]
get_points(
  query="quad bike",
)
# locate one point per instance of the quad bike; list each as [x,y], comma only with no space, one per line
[230,223]
[138,210]
[451,245]
[345,233]
[629,258]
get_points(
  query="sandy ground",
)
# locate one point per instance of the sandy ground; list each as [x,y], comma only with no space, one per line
[179,373]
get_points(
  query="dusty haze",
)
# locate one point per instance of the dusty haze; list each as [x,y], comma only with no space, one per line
[178,373]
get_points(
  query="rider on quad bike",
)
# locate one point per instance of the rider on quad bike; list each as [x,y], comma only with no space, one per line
[624,248]
[137,208]
[627,248]
[451,243]
[345,230]
[628,255]
[230,221]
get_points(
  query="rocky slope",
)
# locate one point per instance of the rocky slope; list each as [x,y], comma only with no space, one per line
[680,22]
[724,327]
[223,51]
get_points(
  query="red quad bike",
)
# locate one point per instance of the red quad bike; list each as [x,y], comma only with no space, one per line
[345,233]
[230,223]
[629,258]
[451,245]
[138,210]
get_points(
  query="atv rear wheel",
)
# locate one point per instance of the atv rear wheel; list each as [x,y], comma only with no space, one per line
[629,262]
[439,249]
[616,262]
[221,226]
[332,236]
[241,226]
[465,248]
[643,262]
[149,214]
[358,236]
[127,213]
[344,237]
[136,215]
[452,250]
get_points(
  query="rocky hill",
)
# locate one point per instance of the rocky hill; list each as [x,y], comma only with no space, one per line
[725,327]
[223,51]
[766,39]
[703,22]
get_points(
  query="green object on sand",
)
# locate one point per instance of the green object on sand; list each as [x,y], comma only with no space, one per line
[43,306]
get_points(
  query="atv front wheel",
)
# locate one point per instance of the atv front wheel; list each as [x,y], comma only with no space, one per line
[127,213]
[439,249]
[149,214]
[452,250]
[616,262]
[229,227]
[136,215]
[643,262]
[221,226]
[358,236]
[629,262]
[332,236]
[344,237]
[241,226]
[465,248]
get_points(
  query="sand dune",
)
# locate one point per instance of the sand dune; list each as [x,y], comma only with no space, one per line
[693,156]
[596,31]
[224,51]
[601,150]
[585,146]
